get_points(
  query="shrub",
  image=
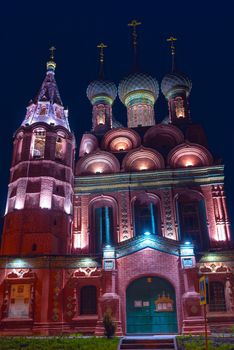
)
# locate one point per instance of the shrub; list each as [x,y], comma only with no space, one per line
[109,324]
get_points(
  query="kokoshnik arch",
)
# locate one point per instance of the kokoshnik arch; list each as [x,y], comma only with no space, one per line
[130,227]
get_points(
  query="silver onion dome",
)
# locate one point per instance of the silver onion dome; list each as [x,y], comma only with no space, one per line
[101,88]
[175,81]
[138,82]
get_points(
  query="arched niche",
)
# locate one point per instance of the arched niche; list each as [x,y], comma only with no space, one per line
[143,159]
[163,137]
[189,155]
[121,140]
[99,162]
[89,144]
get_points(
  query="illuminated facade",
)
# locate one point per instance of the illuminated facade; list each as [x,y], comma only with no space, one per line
[129,228]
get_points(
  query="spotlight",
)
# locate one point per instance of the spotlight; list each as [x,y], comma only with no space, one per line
[147,233]
[187,243]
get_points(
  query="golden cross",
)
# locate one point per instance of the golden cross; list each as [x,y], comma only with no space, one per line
[134,23]
[52,49]
[172,40]
[101,47]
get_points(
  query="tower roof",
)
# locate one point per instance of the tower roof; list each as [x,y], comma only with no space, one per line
[49,89]
[47,106]
[174,82]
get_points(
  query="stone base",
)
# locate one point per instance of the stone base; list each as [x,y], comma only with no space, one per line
[195,326]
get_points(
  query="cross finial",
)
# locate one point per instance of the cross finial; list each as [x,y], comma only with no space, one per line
[101,46]
[52,50]
[172,41]
[134,23]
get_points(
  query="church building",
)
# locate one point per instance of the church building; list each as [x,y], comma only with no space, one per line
[126,223]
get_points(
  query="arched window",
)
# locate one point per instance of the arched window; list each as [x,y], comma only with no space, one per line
[146,216]
[38,143]
[191,213]
[103,226]
[217,297]
[60,146]
[19,146]
[88,300]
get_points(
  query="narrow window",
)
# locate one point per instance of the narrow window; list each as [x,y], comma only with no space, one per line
[217,297]
[19,147]
[34,247]
[88,300]
[103,227]
[60,146]
[38,143]
[192,219]
[146,218]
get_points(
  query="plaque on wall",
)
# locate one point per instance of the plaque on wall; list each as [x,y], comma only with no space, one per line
[108,264]
[19,300]
[137,303]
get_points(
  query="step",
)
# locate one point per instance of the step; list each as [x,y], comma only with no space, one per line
[147,344]
[131,345]
[146,341]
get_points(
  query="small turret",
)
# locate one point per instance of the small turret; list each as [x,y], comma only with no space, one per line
[138,92]
[101,93]
[176,88]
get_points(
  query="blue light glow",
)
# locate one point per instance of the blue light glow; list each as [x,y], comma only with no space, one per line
[147,233]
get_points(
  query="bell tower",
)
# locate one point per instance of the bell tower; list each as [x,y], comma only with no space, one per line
[39,204]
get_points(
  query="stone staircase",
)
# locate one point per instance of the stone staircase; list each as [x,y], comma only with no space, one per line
[128,343]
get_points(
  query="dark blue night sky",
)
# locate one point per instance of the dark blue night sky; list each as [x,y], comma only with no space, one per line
[205,52]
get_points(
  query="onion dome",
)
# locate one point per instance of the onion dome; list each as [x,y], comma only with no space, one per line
[138,83]
[175,82]
[101,90]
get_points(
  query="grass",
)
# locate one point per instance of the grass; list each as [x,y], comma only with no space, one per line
[190,342]
[57,343]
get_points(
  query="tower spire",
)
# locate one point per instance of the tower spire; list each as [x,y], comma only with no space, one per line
[172,41]
[51,65]
[101,48]
[47,107]
[52,50]
[134,24]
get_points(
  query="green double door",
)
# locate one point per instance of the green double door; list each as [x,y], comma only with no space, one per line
[151,306]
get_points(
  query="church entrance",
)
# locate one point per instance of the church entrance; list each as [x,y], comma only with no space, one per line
[151,306]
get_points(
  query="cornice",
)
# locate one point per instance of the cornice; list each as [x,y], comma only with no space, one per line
[201,176]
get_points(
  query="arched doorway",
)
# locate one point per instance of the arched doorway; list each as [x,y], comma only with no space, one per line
[151,306]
